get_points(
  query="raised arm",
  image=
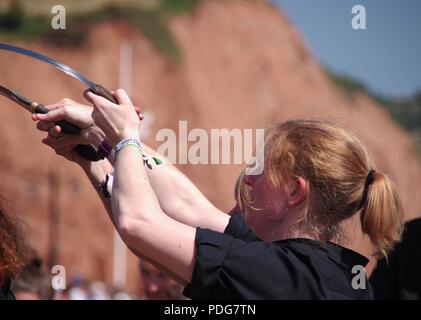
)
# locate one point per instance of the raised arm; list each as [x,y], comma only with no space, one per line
[178,197]
[135,208]
[95,171]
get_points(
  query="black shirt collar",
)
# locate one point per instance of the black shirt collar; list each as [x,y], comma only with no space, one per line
[345,255]
[240,229]
[336,252]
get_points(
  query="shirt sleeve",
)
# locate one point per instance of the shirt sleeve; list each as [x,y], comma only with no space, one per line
[238,229]
[230,268]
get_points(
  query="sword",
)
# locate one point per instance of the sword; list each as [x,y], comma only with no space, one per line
[86,151]
[95,88]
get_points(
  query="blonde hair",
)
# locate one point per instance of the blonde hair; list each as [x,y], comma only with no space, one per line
[335,165]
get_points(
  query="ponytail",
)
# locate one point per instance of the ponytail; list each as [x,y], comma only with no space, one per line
[382,214]
[336,166]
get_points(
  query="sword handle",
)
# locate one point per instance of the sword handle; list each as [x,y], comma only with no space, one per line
[65,126]
[86,151]
[101,91]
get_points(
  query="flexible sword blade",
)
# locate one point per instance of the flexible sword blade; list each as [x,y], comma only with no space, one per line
[66,69]
[14,96]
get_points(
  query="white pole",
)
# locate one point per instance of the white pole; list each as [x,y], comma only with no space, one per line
[120,251]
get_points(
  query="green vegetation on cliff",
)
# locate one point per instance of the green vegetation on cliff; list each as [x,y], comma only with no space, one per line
[17,23]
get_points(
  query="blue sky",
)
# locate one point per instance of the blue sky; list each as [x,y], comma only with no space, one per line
[386,56]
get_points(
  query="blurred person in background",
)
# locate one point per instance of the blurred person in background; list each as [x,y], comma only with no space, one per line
[98,291]
[78,289]
[121,295]
[32,283]
[14,252]
[399,276]
[318,209]
[156,285]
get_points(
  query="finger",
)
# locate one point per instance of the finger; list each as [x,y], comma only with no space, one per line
[85,95]
[139,112]
[51,140]
[98,101]
[64,150]
[54,115]
[55,131]
[61,142]
[50,143]
[95,115]
[122,97]
[54,106]
[45,126]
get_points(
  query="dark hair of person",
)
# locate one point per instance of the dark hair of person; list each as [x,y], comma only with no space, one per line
[14,251]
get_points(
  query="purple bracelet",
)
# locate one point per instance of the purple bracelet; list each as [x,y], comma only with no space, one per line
[104,149]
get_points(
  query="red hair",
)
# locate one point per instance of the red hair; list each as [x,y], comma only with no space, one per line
[335,164]
[13,248]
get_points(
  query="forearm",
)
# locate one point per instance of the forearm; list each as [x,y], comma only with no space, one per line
[141,222]
[96,173]
[180,199]
[133,196]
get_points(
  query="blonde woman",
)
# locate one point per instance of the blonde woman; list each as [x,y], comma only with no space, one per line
[299,230]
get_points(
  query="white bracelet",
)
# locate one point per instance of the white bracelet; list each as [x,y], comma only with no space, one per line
[135,143]
[125,143]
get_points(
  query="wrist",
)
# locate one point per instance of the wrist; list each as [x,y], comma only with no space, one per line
[95,171]
[127,134]
[83,163]
[96,136]
[127,142]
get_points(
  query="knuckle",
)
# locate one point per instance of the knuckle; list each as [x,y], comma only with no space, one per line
[65,109]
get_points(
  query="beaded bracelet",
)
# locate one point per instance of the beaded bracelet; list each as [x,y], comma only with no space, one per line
[135,143]
[125,143]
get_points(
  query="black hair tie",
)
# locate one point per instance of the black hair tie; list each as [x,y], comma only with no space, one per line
[368,181]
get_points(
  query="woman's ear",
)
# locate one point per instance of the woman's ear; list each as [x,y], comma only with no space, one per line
[297,192]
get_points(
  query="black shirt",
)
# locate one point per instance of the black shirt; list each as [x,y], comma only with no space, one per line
[5,292]
[399,277]
[238,265]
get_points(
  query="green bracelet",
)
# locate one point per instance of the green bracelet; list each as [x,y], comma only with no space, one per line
[127,142]
[135,143]
[130,144]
